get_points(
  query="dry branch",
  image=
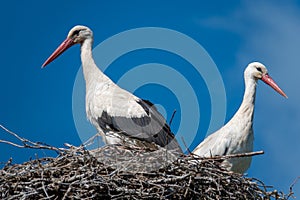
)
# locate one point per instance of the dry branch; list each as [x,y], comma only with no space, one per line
[119,172]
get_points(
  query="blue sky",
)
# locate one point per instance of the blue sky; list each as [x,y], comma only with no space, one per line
[37,103]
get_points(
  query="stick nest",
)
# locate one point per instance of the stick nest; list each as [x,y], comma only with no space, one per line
[118,172]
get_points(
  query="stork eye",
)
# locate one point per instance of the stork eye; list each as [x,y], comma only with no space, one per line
[76,32]
[259,69]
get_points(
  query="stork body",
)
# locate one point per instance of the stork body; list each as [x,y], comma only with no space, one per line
[237,135]
[117,114]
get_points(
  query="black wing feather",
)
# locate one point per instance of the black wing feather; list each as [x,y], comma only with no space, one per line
[151,127]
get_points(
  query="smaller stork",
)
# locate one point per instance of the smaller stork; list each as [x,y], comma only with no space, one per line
[237,135]
[119,116]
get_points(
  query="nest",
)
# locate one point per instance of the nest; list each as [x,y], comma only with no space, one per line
[120,172]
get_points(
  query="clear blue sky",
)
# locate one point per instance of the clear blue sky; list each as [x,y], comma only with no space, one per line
[37,103]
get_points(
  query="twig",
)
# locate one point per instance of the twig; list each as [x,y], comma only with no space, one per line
[43,185]
[291,187]
[91,139]
[29,144]
[13,144]
[12,133]
[186,147]
[172,117]
[171,180]
[232,155]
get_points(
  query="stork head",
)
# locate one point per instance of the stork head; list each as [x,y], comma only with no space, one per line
[258,71]
[80,33]
[77,35]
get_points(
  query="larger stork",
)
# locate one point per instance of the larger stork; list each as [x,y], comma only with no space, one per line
[119,116]
[237,135]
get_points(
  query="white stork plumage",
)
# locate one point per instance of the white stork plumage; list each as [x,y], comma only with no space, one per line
[237,135]
[119,116]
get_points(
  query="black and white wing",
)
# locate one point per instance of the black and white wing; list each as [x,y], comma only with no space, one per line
[150,127]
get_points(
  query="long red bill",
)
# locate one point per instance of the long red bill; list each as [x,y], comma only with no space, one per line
[64,46]
[268,80]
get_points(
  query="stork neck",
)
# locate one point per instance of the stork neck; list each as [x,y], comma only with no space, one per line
[247,107]
[90,69]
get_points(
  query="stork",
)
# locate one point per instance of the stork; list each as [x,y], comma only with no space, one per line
[119,116]
[237,135]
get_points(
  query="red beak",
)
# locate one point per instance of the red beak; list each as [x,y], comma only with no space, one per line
[64,46]
[268,80]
